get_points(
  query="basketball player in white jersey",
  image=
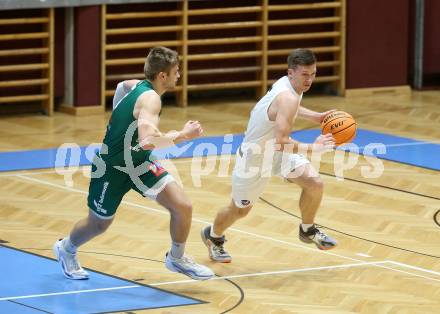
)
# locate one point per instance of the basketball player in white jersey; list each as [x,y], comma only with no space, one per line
[268,149]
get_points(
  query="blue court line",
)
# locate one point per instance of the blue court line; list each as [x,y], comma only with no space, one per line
[398,149]
[35,281]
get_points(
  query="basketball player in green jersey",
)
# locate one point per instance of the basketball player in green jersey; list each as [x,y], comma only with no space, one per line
[126,162]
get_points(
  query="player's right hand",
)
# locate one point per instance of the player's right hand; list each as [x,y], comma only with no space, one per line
[324,143]
[192,129]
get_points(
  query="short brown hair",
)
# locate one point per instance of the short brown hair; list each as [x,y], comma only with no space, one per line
[160,59]
[300,56]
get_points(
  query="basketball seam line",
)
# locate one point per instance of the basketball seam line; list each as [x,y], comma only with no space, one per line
[344,128]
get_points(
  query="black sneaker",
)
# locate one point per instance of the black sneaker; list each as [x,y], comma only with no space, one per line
[215,246]
[314,235]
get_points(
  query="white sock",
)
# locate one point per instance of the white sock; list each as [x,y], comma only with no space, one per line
[213,234]
[68,245]
[177,249]
[306,227]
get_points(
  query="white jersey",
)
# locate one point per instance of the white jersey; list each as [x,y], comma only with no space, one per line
[260,129]
[256,159]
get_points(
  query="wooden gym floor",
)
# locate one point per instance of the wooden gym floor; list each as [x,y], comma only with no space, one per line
[388,256]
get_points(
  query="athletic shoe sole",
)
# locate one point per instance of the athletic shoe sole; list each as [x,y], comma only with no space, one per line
[194,276]
[308,241]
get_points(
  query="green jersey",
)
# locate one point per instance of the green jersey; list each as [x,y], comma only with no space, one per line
[121,138]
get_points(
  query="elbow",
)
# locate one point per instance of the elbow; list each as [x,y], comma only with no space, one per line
[286,144]
[282,140]
[149,140]
[148,147]
[146,144]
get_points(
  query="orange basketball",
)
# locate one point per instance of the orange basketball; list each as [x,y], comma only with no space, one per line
[341,125]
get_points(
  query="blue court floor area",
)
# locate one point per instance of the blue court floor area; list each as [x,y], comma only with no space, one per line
[33,284]
[398,149]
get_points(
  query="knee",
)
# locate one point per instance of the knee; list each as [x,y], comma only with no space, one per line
[242,212]
[315,185]
[101,225]
[185,208]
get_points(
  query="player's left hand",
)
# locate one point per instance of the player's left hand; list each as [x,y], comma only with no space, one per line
[321,115]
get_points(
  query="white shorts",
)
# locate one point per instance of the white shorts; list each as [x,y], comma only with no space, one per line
[252,173]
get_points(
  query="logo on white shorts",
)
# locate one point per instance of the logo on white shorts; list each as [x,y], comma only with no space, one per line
[245,202]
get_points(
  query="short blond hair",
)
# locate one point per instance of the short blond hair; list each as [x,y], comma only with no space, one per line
[300,56]
[160,59]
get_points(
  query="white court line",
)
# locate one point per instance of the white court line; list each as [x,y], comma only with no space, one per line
[288,271]
[68,292]
[163,212]
[416,268]
[278,272]
[191,280]
[363,254]
[411,267]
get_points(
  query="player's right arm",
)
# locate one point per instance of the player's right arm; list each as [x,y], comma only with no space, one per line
[287,108]
[147,111]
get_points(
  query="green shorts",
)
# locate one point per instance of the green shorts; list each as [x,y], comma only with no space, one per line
[107,188]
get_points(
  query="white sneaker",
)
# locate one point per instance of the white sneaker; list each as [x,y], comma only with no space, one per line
[187,266]
[69,263]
